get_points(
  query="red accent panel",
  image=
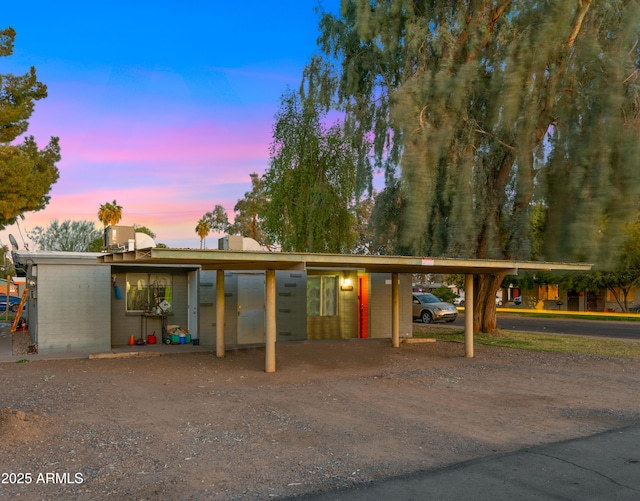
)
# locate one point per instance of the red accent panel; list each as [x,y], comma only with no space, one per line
[363,307]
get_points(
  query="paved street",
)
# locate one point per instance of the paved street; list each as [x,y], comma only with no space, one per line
[613,328]
[600,467]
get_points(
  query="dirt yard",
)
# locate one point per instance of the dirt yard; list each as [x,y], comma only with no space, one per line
[192,426]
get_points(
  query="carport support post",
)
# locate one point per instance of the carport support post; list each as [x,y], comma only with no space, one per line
[270,320]
[468,315]
[220,313]
[395,311]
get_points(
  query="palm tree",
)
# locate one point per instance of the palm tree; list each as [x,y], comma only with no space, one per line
[110,214]
[103,214]
[202,229]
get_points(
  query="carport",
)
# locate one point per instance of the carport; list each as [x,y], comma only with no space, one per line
[269,262]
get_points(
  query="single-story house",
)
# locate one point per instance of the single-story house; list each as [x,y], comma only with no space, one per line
[88,302]
[555,297]
[15,286]
[78,304]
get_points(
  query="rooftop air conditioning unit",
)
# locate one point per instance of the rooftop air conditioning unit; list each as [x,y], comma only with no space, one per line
[118,236]
[233,242]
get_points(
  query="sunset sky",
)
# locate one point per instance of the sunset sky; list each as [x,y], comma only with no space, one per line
[166,107]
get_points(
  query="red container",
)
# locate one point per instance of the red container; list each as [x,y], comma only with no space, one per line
[151,339]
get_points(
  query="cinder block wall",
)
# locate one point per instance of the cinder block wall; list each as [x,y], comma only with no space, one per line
[291,319]
[208,308]
[124,324]
[291,305]
[291,308]
[73,308]
[380,305]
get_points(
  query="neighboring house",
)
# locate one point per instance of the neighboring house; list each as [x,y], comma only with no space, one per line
[611,300]
[554,297]
[16,286]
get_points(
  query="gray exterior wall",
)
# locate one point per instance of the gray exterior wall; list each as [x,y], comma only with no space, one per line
[345,324]
[70,308]
[380,305]
[208,308]
[124,324]
[292,322]
[291,306]
[73,307]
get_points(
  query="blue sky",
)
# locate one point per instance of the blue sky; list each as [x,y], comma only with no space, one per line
[166,107]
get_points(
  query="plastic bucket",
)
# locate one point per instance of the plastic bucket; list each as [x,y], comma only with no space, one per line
[151,339]
[183,339]
[175,338]
[187,338]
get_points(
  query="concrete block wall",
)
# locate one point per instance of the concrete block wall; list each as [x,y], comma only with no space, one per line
[208,308]
[124,324]
[73,308]
[380,305]
[290,306]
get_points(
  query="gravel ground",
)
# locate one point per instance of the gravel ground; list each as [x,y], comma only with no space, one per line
[336,414]
[21,343]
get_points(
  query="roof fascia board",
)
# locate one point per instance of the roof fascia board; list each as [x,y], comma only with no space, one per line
[54,257]
[260,260]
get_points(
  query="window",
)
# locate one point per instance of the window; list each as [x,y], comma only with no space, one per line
[427,298]
[322,296]
[145,291]
[611,296]
[548,292]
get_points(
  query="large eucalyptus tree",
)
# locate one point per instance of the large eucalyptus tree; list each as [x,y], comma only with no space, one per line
[480,110]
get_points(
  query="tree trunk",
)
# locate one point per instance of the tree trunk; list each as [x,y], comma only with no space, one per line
[485,288]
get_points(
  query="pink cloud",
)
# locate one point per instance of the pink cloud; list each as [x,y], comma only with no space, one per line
[172,218]
[165,179]
[166,170]
[149,143]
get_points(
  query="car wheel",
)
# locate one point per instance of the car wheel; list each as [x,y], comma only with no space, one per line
[13,308]
[426,317]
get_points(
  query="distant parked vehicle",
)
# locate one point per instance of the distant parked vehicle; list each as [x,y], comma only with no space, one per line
[14,303]
[429,308]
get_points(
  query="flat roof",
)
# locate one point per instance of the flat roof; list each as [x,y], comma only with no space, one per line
[24,257]
[210,259]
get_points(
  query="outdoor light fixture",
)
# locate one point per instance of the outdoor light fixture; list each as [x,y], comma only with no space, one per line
[346,285]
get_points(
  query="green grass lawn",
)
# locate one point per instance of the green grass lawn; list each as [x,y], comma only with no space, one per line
[538,342]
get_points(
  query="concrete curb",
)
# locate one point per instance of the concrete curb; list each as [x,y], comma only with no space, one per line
[131,354]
